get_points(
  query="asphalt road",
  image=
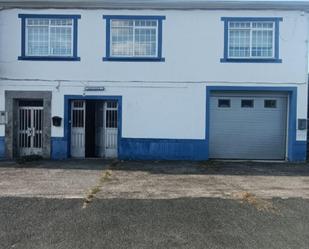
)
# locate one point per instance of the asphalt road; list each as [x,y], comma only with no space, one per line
[33,223]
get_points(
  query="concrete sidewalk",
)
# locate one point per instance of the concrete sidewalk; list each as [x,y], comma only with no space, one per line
[153,180]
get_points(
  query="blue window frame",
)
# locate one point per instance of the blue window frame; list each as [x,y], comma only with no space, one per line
[133,38]
[251,39]
[49,37]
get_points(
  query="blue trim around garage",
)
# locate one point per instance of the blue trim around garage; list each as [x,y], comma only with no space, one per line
[226,58]
[23,55]
[2,147]
[296,149]
[108,56]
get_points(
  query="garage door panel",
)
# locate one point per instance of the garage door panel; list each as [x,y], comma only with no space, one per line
[256,132]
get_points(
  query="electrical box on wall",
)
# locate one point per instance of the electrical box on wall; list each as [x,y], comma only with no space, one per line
[302,124]
[3,117]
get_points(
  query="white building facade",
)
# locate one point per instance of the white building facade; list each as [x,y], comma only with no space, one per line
[181,82]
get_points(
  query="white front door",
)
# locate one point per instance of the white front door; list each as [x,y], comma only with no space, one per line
[111,129]
[78,113]
[30,123]
[106,125]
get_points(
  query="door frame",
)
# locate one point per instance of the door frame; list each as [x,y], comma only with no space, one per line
[11,106]
[67,116]
[291,111]
[32,110]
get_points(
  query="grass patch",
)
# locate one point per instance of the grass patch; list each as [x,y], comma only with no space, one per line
[105,176]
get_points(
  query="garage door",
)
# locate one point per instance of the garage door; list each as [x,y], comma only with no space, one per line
[247,126]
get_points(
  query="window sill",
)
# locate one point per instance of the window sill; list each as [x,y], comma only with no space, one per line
[136,59]
[226,60]
[48,58]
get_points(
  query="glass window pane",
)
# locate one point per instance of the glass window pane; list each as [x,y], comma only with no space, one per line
[247,103]
[49,37]
[251,39]
[224,103]
[122,41]
[38,38]
[61,41]
[270,103]
[134,38]
[262,43]
[145,42]
[239,43]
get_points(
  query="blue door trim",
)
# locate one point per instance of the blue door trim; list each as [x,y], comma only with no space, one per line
[2,147]
[67,116]
[295,148]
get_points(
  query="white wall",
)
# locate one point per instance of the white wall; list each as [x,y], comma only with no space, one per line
[160,99]
[192,46]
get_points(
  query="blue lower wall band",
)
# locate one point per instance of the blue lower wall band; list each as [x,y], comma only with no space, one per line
[2,147]
[58,148]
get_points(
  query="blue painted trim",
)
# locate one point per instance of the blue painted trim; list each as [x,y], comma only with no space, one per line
[49,58]
[252,19]
[299,151]
[2,147]
[108,56]
[226,58]
[251,61]
[295,151]
[58,148]
[137,59]
[108,38]
[134,17]
[23,37]
[67,117]
[23,16]
[163,149]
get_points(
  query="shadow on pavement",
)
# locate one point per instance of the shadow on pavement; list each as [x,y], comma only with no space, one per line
[174,167]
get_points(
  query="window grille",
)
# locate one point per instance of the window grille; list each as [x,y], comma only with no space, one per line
[134,38]
[251,39]
[49,37]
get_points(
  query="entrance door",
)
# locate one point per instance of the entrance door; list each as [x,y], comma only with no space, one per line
[100,142]
[30,123]
[78,111]
[111,128]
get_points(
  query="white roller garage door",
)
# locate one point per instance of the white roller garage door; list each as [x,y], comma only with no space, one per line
[248,126]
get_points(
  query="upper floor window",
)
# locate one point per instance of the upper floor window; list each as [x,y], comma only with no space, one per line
[49,37]
[251,39]
[133,38]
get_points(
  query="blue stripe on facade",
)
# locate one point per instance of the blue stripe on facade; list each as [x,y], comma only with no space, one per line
[226,58]
[108,56]
[299,151]
[2,147]
[23,55]
[58,148]
[163,149]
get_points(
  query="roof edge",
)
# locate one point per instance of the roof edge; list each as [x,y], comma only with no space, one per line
[157,4]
